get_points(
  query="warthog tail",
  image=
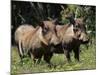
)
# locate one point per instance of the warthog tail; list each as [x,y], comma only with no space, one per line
[20,48]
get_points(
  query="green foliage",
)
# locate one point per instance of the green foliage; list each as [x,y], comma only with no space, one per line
[79,11]
[33,13]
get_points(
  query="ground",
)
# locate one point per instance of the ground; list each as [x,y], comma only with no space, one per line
[87,62]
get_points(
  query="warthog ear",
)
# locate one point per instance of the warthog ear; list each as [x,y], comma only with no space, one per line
[55,21]
[41,24]
[69,31]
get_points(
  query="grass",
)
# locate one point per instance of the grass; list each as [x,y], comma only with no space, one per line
[87,61]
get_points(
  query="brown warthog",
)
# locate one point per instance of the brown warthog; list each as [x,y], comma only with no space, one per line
[70,37]
[70,43]
[35,40]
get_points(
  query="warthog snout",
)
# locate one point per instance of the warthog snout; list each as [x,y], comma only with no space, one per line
[54,40]
[84,38]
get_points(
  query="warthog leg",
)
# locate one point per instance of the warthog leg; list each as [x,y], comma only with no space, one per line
[67,54]
[36,55]
[47,57]
[66,50]
[37,61]
[76,53]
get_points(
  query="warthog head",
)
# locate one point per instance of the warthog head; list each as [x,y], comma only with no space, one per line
[49,32]
[79,27]
[80,31]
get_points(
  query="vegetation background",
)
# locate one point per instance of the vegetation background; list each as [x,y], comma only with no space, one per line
[34,12]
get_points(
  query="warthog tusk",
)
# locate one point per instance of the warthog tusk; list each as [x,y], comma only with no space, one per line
[41,37]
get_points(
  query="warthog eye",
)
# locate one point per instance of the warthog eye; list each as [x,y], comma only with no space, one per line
[45,30]
[77,26]
[79,35]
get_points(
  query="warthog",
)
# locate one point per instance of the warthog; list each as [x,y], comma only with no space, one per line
[73,42]
[35,40]
[70,37]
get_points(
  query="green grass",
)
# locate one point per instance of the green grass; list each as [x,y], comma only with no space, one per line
[87,61]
